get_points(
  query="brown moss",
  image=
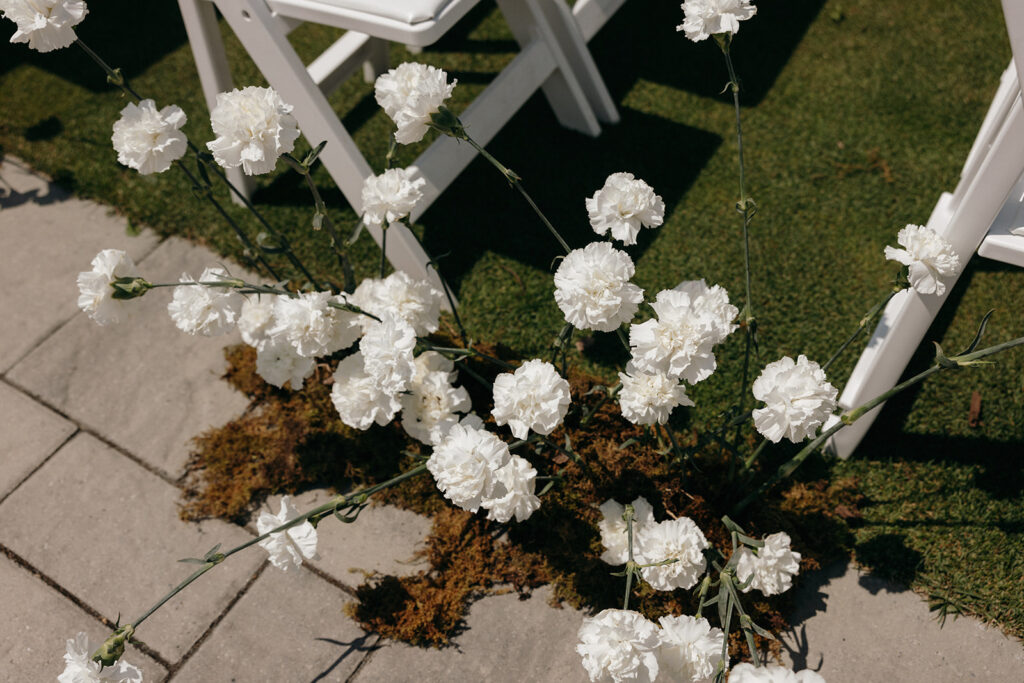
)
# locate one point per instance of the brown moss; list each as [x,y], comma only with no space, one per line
[288,440]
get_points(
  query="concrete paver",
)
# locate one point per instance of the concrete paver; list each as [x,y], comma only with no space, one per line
[107,531]
[143,384]
[38,621]
[289,626]
[859,628]
[508,640]
[30,433]
[46,238]
[383,540]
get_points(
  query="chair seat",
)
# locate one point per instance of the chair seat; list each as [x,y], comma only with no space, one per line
[409,11]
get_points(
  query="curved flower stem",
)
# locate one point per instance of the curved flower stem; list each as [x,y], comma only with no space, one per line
[468,351]
[432,262]
[322,217]
[316,514]
[862,325]
[852,416]
[517,183]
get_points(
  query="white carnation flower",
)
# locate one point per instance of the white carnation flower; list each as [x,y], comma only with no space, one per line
[79,667]
[772,568]
[209,311]
[431,407]
[534,397]
[703,18]
[619,645]
[692,319]
[674,539]
[624,205]
[690,649]
[647,398]
[149,140]
[771,673]
[287,548]
[44,24]
[96,296]
[593,290]
[278,364]
[390,196]
[254,127]
[358,397]
[512,494]
[409,94]
[312,325]
[799,399]
[928,256]
[465,464]
[387,350]
[615,534]
[417,302]
[257,320]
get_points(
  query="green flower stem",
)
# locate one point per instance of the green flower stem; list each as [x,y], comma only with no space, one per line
[749,462]
[315,515]
[630,564]
[852,416]
[624,339]
[608,394]
[383,250]
[324,216]
[862,325]
[468,351]
[432,262]
[517,183]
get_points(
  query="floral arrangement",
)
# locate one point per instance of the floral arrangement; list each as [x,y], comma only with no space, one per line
[390,366]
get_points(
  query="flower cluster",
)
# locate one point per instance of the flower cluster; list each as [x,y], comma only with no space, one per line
[432,404]
[474,469]
[593,290]
[703,18]
[409,94]
[647,398]
[254,127]
[621,645]
[623,206]
[79,667]
[207,310]
[149,140]
[772,569]
[44,24]
[928,256]
[95,294]
[286,548]
[390,196]
[533,398]
[798,398]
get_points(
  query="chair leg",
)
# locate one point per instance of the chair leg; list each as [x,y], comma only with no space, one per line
[909,315]
[200,20]
[378,61]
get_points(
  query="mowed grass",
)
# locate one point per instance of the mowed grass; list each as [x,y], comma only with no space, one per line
[857,114]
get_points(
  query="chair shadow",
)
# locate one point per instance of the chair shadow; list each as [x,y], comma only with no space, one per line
[133,36]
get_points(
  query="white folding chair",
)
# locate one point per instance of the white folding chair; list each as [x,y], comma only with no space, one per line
[553,58]
[978,216]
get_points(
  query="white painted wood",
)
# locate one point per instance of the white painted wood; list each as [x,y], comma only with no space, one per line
[591,15]
[340,60]
[421,34]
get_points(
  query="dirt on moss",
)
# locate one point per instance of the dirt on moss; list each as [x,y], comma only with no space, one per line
[287,441]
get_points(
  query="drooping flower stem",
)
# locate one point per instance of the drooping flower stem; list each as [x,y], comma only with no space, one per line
[322,217]
[941,363]
[862,325]
[339,502]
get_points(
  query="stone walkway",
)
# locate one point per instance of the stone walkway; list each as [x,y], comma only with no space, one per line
[95,423]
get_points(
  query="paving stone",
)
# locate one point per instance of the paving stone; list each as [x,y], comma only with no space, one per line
[108,532]
[30,433]
[143,385]
[46,239]
[289,626]
[508,640]
[855,627]
[38,623]
[383,540]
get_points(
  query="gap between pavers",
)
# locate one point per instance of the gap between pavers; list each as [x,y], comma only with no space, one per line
[107,531]
[46,238]
[853,627]
[289,626]
[39,621]
[142,384]
[31,432]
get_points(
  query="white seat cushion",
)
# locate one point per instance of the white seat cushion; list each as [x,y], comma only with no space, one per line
[408,11]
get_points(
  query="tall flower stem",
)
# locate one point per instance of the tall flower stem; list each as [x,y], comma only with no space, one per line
[343,501]
[941,363]
[630,563]
[862,325]
[383,250]
[432,262]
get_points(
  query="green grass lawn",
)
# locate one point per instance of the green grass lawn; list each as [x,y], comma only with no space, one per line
[857,115]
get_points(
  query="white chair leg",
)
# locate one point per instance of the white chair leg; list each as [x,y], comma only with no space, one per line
[574,44]
[378,61]
[256,27]
[909,315]
[212,64]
